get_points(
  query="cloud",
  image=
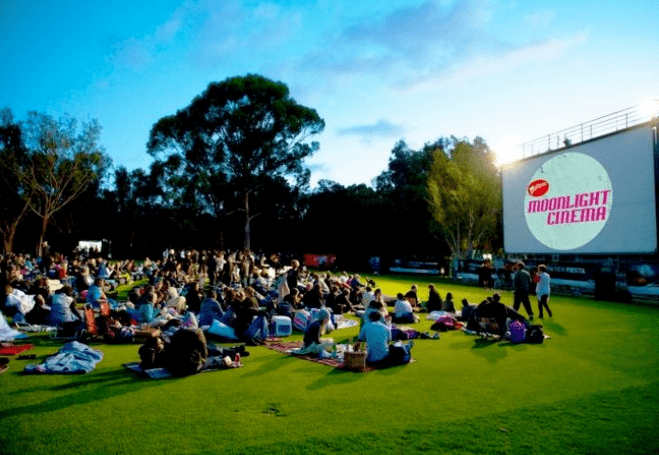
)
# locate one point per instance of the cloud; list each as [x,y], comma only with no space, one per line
[233,30]
[132,53]
[318,168]
[539,19]
[407,39]
[481,66]
[168,31]
[382,129]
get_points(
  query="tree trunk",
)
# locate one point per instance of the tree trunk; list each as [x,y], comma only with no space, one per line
[247,243]
[42,236]
[9,231]
[8,239]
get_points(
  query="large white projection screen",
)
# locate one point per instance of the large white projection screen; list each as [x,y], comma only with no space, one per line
[593,198]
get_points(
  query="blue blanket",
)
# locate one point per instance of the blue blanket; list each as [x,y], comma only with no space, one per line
[73,357]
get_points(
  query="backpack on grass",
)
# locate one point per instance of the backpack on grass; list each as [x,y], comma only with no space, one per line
[535,334]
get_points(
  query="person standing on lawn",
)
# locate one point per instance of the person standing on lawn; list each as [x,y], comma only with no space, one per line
[522,283]
[542,290]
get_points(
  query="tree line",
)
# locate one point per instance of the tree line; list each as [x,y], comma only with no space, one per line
[228,173]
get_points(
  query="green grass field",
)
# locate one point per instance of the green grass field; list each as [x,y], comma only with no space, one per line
[591,388]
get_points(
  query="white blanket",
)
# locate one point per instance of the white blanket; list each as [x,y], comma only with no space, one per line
[7,333]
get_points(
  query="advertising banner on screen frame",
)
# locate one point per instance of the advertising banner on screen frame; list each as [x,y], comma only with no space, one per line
[593,198]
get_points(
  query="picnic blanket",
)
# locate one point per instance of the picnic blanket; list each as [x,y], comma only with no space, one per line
[287,346]
[13,350]
[7,333]
[491,335]
[345,323]
[35,328]
[72,358]
[163,373]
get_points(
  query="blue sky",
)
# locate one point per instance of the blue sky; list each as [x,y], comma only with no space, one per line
[377,72]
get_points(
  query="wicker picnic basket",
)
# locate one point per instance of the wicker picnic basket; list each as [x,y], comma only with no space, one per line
[355,360]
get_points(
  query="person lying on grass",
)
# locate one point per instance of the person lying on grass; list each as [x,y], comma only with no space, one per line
[184,355]
[377,336]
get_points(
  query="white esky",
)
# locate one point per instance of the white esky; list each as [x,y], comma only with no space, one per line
[377,72]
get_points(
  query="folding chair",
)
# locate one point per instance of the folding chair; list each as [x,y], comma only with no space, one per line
[90,322]
[105,308]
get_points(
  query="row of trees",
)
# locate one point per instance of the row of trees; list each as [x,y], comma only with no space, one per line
[228,172]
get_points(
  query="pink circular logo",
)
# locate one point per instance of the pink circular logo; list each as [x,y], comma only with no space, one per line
[538,188]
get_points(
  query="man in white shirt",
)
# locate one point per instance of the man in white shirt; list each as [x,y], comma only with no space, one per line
[403,312]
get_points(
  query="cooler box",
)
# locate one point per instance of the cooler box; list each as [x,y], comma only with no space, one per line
[282,326]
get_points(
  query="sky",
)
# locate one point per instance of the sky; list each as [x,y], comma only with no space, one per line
[376,72]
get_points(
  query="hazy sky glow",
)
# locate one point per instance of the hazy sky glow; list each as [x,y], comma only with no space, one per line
[377,72]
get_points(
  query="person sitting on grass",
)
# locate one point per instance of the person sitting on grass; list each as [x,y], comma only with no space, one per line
[96,293]
[493,308]
[467,310]
[367,296]
[147,310]
[377,307]
[193,297]
[403,312]
[342,302]
[315,330]
[434,302]
[412,296]
[63,308]
[448,303]
[377,337]
[294,299]
[210,309]
[379,298]
[330,300]
[313,298]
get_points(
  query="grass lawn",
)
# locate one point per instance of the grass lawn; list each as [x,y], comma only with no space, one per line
[591,388]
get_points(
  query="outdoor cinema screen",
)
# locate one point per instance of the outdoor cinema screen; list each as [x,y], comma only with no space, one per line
[597,197]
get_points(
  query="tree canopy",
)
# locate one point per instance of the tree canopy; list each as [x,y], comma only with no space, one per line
[56,163]
[464,187]
[230,137]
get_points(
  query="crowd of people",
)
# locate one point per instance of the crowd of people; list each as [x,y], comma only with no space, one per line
[241,290]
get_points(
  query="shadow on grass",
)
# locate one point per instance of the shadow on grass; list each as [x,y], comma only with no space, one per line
[336,376]
[104,377]
[555,327]
[269,364]
[491,355]
[110,385]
